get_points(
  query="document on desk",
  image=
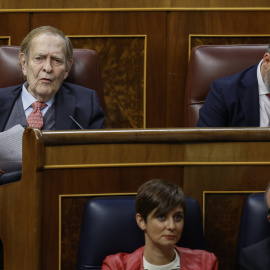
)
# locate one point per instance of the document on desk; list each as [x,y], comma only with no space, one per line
[11,149]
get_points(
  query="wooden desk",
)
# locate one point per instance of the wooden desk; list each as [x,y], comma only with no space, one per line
[40,215]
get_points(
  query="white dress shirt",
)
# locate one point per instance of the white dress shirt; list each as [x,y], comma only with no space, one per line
[264,100]
[28,99]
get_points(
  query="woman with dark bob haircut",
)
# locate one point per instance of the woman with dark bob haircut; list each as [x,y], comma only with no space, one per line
[160,209]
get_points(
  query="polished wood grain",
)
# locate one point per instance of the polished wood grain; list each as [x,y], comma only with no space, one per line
[123,66]
[243,27]
[114,161]
[62,169]
[21,208]
[198,40]
[160,135]
[15,26]
[152,25]
[222,215]
[101,4]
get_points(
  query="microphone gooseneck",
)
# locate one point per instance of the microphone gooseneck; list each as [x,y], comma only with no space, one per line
[76,122]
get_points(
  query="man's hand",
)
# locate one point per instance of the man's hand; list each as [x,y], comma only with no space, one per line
[1,172]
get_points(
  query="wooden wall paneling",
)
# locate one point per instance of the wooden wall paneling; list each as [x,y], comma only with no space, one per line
[177,59]
[120,4]
[96,182]
[15,26]
[123,62]
[209,164]
[167,48]
[225,178]
[222,203]
[198,40]
[223,211]
[218,3]
[246,24]
[199,160]
[4,41]
[179,26]
[167,34]
[28,207]
[216,24]
[149,24]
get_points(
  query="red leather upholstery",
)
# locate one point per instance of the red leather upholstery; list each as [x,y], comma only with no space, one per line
[210,62]
[85,70]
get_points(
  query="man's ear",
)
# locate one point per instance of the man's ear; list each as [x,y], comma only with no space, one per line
[22,57]
[268,217]
[140,221]
[67,71]
[266,60]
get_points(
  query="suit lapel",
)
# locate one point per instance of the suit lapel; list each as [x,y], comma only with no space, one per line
[249,97]
[65,106]
[7,100]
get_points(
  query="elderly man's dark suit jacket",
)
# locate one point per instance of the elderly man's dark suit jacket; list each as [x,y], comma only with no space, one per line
[71,100]
[256,257]
[79,102]
[232,101]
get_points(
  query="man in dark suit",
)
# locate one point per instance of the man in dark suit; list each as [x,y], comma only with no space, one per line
[46,58]
[256,257]
[240,100]
[70,100]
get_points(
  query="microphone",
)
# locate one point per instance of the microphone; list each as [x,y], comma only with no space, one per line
[76,122]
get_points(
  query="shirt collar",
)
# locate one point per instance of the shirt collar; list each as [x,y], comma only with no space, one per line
[28,99]
[262,88]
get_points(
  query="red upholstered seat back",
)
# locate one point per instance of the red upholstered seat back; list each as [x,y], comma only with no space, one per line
[210,62]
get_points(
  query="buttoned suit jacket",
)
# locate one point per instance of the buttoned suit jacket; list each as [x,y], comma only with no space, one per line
[256,257]
[232,101]
[71,100]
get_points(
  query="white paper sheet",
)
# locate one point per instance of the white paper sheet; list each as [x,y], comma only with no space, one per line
[11,149]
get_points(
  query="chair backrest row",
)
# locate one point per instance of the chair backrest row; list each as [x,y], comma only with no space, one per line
[207,63]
